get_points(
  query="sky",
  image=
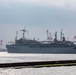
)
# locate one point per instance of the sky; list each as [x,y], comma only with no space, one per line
[37,16]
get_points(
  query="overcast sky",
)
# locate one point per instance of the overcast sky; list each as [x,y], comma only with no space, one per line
[37,16]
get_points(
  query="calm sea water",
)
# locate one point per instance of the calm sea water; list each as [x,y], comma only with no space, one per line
[13,57]
[10,57]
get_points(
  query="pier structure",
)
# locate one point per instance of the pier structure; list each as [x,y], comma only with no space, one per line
[39,64]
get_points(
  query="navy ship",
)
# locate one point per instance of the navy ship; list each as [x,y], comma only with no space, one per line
[56,46]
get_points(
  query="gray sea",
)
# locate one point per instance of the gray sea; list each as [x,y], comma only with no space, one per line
[10,57]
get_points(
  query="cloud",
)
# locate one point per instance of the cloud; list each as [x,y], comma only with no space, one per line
[69,4]
[37,16]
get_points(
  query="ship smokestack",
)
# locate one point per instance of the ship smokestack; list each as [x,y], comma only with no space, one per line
[55,39]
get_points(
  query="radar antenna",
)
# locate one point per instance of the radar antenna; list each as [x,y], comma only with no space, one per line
[24,31]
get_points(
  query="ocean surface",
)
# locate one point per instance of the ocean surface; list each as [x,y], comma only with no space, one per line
[10,57]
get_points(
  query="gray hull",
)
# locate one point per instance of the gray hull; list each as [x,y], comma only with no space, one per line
[51,50]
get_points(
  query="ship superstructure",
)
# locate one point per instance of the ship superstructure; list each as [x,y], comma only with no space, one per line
[24,45]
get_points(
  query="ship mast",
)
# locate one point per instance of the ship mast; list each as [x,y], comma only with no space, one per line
[47,35]
[61,35]
[24,31]
[56,35]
